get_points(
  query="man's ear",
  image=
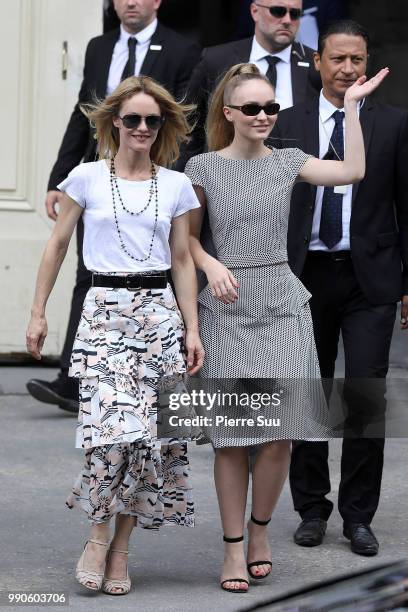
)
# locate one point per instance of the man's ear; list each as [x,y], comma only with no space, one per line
[316,59]
[254,11]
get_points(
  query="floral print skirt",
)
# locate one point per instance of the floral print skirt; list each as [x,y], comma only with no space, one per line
[128,352]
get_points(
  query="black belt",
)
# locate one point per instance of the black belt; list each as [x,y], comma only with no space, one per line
[333,255]
[132,282]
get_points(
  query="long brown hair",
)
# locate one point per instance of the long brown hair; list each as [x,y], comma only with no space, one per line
[175,130]
[220,132]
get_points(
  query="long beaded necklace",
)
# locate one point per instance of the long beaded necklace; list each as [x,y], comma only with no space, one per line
[153,192]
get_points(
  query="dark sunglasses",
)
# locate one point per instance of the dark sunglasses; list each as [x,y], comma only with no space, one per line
[280,11]
[153,122]
[252,110]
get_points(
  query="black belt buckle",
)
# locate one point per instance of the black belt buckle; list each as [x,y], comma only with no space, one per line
[132,278]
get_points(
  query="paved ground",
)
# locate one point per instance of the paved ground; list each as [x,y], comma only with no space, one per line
[176,569]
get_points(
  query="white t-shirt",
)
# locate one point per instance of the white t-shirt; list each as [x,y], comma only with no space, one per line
[89,185]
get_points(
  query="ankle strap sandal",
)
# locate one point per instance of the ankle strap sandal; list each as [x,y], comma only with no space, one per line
[240,580]
[90,578]
[262,561]
[115,586]
[257,522]
[233,540]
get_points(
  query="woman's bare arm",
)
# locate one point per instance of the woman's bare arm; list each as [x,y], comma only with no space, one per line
[200,256]
[50,265]
[222,282]
[185,283]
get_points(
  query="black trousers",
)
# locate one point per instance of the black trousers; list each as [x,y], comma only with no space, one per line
[338,305]
[82,284]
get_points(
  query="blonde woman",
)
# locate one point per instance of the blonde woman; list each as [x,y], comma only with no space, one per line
[254,315]
[130,339]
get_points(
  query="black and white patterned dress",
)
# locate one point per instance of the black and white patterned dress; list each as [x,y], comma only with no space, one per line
[267,334]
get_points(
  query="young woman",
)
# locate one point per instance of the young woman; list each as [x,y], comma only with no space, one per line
[130,339]
[254,315]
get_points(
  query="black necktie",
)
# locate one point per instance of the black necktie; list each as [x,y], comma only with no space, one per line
[129,69]
[271,72]
[331,224]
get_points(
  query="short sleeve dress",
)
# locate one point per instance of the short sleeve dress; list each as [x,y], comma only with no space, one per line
[264,341]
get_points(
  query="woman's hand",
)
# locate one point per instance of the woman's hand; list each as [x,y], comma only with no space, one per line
[195,351]
[222,282]
[36,334]
[363,88]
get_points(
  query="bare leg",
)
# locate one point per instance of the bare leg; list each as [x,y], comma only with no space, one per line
[268,477]
[117,562]
[95,554]
[231,473]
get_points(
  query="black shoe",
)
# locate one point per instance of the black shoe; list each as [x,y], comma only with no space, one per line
[363,541]
[63,392]
[310,532]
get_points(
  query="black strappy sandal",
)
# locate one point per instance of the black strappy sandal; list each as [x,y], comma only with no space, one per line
[253,563]
[233,541]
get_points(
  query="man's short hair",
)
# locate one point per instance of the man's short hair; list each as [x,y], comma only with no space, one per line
[342,26]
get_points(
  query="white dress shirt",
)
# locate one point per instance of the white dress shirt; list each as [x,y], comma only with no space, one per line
[326,127]
[121,53]
[283,93]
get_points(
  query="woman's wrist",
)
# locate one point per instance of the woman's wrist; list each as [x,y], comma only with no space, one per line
[350,105]
[192,327]
[205,263]
[37,313]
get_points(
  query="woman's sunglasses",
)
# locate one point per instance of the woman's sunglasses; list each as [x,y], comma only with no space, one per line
[280,11]
[153,122]
[252,110]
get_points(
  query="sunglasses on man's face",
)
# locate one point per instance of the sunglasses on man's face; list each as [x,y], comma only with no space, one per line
[281,11]
[252,110]
[132,121]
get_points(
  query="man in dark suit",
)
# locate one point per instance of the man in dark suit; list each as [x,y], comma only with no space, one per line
[289,65]
[349,246]
[140,46]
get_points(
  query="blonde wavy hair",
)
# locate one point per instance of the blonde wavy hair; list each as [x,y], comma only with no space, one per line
[175,130]
[220,131]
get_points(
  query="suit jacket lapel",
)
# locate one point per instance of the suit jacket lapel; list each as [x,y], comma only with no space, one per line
[242,50]
[367,124]
[104,62]
[152,55]
[311,128]
[300,75]
[311,133]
